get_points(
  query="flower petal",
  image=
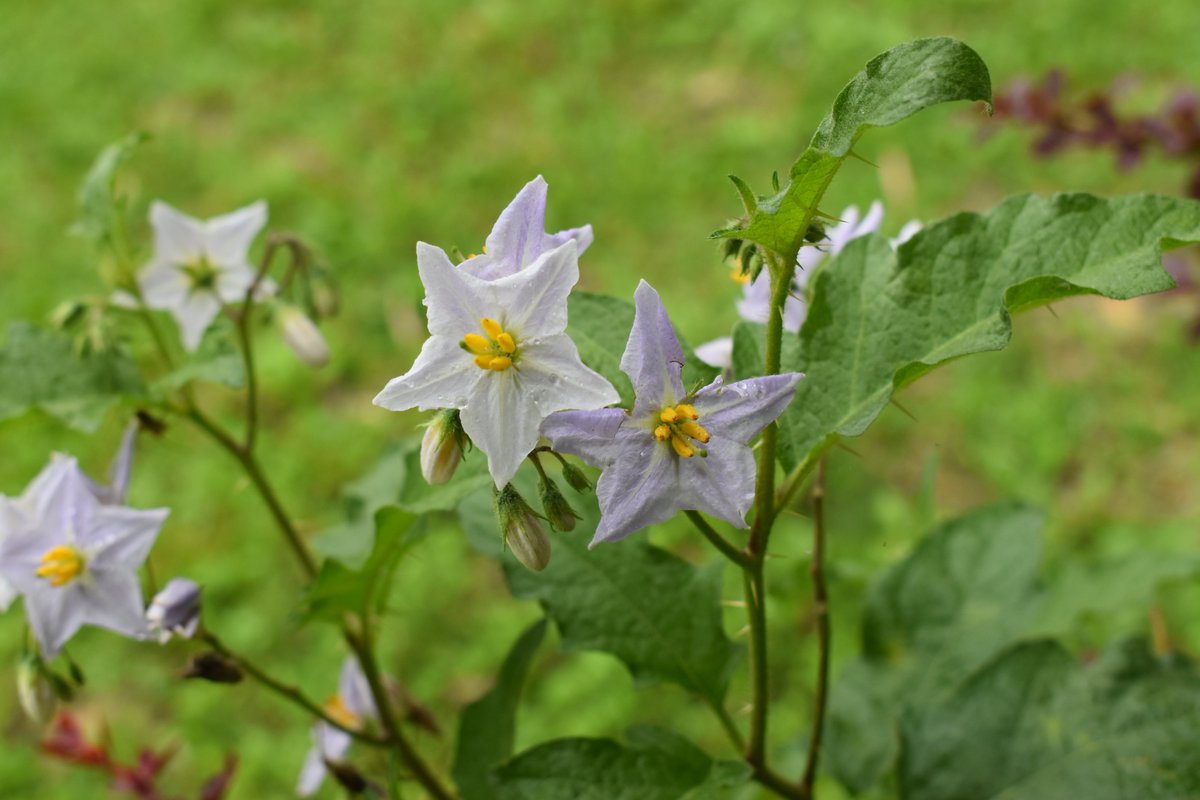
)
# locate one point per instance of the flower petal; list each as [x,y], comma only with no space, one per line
[55,614]
[228,237]
[60,497]
[354,689]
[557,380]
[452,296]
[178,238]
[516,238]
[112,598]
[533,302]
[653,359]
[721,484]
[312,774]
[738,411]
[233,283]
[118,537]
[502,422]
[591,435]
[164,285]
[194,315]
[639,490]
[582,236]
[443,376]
[717,353]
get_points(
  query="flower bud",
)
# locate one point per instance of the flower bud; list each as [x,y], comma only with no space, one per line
[213,667]
[441,449]
[575,478]
[522,530]
[300,334]
[175,610]
[558,511]
[34,690]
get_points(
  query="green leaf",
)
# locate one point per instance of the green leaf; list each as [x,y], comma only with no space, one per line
[658,765]
[893,86]
[41,369]
[97,206]
[599,326]
[657,613]
[337,589]
[878,319]
[487,727]
[216,360]
[1036,725]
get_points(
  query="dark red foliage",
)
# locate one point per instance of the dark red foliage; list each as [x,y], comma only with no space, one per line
[140,779]
[1095,122]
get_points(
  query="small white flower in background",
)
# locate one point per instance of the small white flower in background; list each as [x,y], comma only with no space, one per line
[199,265]
[352,707]
[72,558]
[755,304]
[498,351]
[175,611]
[302,335]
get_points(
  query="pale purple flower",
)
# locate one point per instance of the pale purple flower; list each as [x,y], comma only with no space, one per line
[175,611]
[755,304]
[74,559]
[499,352]
[199,265]
[352,706]
[675,451]
[518,238]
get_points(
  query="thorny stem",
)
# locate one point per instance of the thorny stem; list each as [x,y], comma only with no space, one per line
[821,612]
[288,692]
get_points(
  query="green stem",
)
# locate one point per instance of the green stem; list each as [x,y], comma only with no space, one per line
[292,694]
[728,549]
[821,611]
[756,610]
[795,479]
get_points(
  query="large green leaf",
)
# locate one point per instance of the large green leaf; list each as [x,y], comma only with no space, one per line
[970,589]
[878,319]
[41,369]
[487,727]
[893,86]
[600,325]
[656,765]
[1036,725]
[656,612]
[217,359]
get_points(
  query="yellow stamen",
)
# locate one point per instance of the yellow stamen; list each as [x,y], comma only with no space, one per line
[492,327]
[681,446]
[737,276]
[484,361]
[61,565]
[687,411]
[335,707]
[695,431]
[477,344]
[662,432]
[500,363]
[505,340]
[485,247]
[668,415]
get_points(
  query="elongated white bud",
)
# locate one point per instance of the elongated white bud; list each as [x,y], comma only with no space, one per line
[523,532]
[441,449]
[175,611]
[301,335]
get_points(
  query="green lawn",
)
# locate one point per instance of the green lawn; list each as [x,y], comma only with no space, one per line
[370,126]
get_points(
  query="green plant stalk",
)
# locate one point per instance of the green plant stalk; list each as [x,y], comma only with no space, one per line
[292,694]
[821,613]
[726,548]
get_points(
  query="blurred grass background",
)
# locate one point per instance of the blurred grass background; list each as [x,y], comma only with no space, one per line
[369,126]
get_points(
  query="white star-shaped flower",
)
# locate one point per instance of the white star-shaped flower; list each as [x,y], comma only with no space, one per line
[199,265]
[74,559]
[498,351]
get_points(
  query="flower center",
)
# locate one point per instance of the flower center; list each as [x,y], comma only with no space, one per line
[335,707]
[61,565]
[495,351]
[678,425]
[201,273]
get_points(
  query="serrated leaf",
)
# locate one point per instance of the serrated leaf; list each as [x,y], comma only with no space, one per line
[41,369]
[599,326]
[879,319]
[1036,725]
[97,207]
[656,766]
[893,86]
[338,589]
[487,727]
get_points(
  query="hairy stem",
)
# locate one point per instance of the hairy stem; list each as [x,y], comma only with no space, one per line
[821,613]
[288,692]
[727,548]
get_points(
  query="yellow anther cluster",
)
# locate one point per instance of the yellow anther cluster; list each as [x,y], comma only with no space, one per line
[61,565]
[737,276]
[335,707]
[679,426]
[494,351]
